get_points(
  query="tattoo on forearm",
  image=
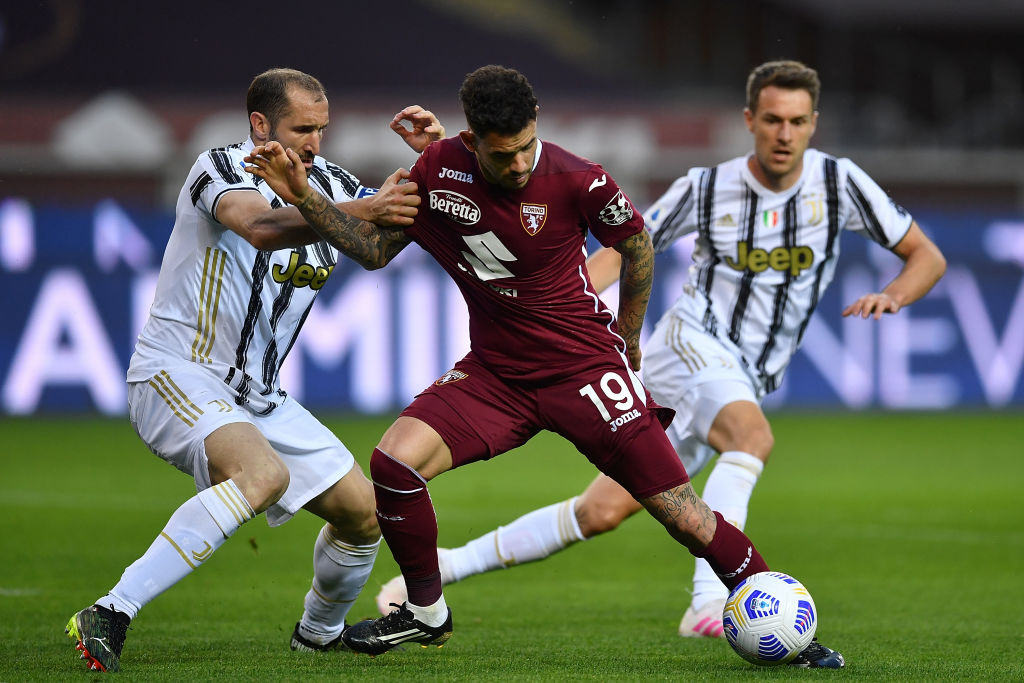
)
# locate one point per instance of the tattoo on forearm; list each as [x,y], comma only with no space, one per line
[361,241]
[637,278]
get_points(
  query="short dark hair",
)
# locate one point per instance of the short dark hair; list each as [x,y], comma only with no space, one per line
[788,74]
[268,92]
[497,99]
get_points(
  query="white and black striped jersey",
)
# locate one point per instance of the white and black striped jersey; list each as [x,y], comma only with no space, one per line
[221,302]
[762,259]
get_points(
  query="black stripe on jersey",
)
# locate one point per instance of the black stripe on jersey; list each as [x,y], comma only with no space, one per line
[832,211]
[324,253]
[281,303]
[322,180]
[259,271]
[706,275]
[198,186]
[789,232]
[673,223]
[743,298]
[348,181]
[276,203]
[222,162]
[871,222]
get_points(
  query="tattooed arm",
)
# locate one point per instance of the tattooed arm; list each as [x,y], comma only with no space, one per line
[367,244]
[635,277]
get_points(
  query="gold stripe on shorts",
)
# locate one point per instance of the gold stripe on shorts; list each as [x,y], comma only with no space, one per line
[179,403]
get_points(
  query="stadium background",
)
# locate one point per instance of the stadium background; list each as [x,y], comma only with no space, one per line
[897,502]
[102,116]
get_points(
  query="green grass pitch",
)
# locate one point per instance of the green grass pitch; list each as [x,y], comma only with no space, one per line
[908,530]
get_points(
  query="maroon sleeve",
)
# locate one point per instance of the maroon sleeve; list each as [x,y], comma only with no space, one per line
[606,208]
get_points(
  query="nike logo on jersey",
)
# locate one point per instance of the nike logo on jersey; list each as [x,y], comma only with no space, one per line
[793,259]
[603,180]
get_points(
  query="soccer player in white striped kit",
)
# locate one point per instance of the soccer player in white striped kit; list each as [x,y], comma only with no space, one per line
[239,275]
[768,230]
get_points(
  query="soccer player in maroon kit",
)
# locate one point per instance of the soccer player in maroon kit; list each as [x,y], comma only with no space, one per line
[507,216]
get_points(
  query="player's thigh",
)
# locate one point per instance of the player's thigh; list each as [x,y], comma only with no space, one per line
[174,413]
[314,455]
[476,414]
[603,506]
[695,374]
[739,424]
[608,415]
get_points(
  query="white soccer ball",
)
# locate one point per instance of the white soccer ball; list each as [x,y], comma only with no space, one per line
[769,618]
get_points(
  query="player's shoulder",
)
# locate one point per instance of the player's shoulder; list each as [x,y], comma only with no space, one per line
[222,163]
[558,159]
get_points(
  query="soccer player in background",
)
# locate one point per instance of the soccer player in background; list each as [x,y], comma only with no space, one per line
[768,230]
[507,215]
[239,275]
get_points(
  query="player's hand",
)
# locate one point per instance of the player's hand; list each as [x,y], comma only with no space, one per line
[395,203]
[281,168]
[872,304]
[425,128]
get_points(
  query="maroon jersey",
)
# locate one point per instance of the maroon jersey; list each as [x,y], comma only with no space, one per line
[518,256]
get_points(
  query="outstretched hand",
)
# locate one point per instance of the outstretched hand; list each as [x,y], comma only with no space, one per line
[425,127]
[395,202]
[872,304]
[282,169]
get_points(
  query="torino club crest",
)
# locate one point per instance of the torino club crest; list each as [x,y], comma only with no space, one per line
[617,211]
[532,216]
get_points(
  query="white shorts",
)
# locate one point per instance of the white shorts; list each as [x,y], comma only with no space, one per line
[174,412]
[694,373]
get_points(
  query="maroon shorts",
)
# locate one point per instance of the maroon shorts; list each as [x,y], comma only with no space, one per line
[604,411]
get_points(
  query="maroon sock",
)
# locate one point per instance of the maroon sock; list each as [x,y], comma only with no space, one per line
[732,555]
[408,524]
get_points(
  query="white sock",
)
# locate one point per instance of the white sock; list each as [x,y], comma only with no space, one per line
[532,537]
[431,615]
[340,571]
[194,531]
[728,490]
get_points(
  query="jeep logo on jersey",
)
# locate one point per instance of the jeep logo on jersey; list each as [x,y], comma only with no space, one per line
[532,216]
[793,259]
[451,376]
[617,211]
[301,275]
[452,204]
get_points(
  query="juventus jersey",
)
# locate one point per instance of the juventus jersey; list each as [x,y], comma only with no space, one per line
[762,259]
[221,302]
[518,256]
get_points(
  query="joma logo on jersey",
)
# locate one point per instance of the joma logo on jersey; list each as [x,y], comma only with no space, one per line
[461,176]
[303,275]
[624,418]
[533,216]
[452,204]
[793,259]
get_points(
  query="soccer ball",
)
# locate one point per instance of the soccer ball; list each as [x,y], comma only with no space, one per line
[769,618]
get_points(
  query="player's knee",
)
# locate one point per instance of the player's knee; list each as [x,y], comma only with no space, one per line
[596,517]
[264,483]
[392,473]
[756,440]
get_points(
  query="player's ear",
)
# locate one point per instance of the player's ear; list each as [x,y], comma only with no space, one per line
[260,127]
[468,139]
[748,118]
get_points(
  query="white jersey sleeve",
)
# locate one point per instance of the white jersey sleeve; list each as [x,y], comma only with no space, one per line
[671,215]
[869,210]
